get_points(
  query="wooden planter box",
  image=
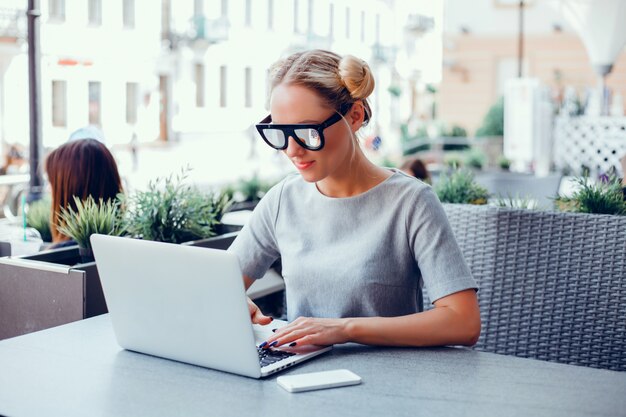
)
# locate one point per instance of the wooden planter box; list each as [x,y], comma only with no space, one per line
[552,285]
[46,290]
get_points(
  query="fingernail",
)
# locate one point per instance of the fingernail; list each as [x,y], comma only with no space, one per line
[274,330]
[262,345]
[292,344]
[274,343]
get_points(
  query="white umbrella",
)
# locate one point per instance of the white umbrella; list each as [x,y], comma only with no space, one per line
[601,25]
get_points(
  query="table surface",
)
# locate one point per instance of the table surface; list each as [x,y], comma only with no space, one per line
[79,370]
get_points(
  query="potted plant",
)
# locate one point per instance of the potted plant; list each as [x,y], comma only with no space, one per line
[247,193]
[90,217]
[172,211]
[459,186]
[475,159]
[38,217]
[551,283]
[602,197]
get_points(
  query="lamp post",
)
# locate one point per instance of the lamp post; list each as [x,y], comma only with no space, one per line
[34,84]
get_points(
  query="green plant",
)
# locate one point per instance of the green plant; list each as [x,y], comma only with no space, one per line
[395,90]
[253,189]
[38,217]
[459,187]
[452,160]
[504,163]
[90,217]
[170,211]
[475,158]
[493,123]
[602,197]
[455,131]
[517,201]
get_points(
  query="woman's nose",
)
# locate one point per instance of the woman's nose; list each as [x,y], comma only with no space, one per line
[293,148]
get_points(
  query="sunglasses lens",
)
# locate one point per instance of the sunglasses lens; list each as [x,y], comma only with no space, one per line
[275,137]
[310,137]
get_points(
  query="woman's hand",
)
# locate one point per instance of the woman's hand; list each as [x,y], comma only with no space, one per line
[309,331]
[256,315]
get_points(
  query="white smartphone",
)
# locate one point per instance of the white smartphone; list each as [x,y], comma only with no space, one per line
[318,380]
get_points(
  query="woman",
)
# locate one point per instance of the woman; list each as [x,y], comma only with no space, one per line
[355,239]
[80,168]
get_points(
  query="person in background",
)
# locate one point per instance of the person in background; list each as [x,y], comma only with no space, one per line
[416,168]
[355,240]
[83,168]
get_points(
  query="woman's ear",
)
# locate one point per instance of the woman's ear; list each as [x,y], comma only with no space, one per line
[356,115]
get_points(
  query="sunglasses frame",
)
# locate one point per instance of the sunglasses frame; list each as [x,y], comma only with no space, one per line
[290,130]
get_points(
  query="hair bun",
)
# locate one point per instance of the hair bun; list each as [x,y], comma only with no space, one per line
[356,76]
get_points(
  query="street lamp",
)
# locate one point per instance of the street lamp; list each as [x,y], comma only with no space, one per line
[34,82]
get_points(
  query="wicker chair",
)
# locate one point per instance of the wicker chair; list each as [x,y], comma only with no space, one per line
[552,285]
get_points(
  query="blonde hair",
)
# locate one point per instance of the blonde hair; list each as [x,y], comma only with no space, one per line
[339,81]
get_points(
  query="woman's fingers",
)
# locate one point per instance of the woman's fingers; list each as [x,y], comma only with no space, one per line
[256,315]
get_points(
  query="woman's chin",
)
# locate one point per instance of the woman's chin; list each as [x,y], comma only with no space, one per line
[310,176]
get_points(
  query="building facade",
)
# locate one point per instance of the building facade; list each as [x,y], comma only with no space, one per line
[480,54]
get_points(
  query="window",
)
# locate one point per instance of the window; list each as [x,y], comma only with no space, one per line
[223,81]
[348,22]
[95,100]
[129,14]
[295,16]
[248,12]
[95,12]
[132,102]
[362,26]
[270,14]
[309,13]
[199,76]
[331,21]
[56,10]
[377,34]
[59,103]
[248,86]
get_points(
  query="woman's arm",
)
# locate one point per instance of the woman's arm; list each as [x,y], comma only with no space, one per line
[455,320]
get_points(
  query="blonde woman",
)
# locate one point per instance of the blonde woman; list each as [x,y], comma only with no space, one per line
[355,240]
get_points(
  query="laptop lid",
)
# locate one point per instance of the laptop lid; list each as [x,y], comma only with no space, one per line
[179,302]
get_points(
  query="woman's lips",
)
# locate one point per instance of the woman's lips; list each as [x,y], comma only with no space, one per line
[303,165]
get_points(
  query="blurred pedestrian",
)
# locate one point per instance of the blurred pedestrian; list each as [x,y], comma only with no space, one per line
[416,168]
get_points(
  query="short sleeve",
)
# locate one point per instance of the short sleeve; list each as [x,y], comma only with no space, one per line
[436,250]
[256,246]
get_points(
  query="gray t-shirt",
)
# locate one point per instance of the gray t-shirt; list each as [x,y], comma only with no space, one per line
[359,256]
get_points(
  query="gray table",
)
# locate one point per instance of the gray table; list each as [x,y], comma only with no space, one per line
[79,370]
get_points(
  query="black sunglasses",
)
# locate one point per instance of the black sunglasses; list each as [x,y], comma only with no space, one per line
[309,136]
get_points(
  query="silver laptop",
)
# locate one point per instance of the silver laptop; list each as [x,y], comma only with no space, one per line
[187,304]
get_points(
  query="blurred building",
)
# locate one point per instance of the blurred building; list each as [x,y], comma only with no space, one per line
[12,38]
[220,52]
[174,69]
[97,68]
[480,54]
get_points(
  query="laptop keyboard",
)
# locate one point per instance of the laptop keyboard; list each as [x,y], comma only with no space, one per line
[269,356]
